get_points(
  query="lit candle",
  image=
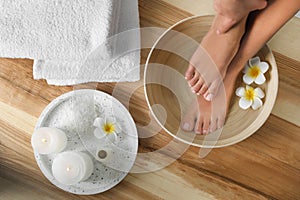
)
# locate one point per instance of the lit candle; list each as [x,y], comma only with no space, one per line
[48,140]
[72,167]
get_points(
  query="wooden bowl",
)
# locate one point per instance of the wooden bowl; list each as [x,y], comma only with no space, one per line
[168,94]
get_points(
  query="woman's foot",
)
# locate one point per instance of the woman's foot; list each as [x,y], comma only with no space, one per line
[209,63]
[203,116]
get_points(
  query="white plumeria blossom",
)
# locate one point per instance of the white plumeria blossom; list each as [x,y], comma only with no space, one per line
[250,97]
[254,71]
[107,128]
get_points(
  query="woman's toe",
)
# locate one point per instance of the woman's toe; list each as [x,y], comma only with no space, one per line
[197,86]
[189,119]
[190,72]
[194,80]
[221,122]
[211,91]
[198,125]
[188,123]
[205,128]
[203,89]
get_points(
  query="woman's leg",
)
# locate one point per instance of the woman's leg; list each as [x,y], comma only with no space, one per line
[208,65]
[264,25]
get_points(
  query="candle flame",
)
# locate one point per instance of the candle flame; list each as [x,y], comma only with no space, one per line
[68,169]
[44,140]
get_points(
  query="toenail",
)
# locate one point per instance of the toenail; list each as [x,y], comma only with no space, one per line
[198,94]
[186,126]
[185,78]
[209,97]
[193,91]
[204,131]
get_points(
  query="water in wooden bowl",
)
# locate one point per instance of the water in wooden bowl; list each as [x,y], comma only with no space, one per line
[166,86]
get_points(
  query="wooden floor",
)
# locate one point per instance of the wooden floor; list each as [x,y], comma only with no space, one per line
[265,166]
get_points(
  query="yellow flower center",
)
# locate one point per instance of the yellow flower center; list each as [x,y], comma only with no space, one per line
[109,128]
[254,71]
[250,94]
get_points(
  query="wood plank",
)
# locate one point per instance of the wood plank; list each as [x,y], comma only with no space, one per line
[201,7]
[17,160]
[17,163]
[166,14]
[278,125]
[19,71]
[265,162]
[15,156]
[215,167]
[265,166]
[188,183]
[10,190]
[288,101]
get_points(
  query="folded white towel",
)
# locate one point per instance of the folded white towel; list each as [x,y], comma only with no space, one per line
[60,34]
[123,69]
[53,29]
[119,67]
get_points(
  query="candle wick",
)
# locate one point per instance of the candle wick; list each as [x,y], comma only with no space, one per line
[44,140]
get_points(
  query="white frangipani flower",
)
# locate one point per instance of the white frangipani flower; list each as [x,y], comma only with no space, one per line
[107,127]
[254,71]
[250,97]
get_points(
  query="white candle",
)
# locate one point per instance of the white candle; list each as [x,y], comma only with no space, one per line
[48,140]
[72,167]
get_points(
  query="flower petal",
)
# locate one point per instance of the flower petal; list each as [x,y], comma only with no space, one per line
[246,69]
[117,128]
[259,93]
[98,122]
[240,91]
[99,133]
[257,103]
[263,67]
[244,103]
[247,79]
[248,87]
[110,120]
[113,138]
[254,61]
[260,79]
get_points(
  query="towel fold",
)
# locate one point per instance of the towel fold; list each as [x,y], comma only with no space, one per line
[124,69]
[61,35]
[121,66]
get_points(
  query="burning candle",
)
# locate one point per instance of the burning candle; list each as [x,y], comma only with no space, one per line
[48,140]
[71,167]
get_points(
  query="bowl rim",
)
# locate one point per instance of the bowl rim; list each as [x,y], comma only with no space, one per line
[216,145]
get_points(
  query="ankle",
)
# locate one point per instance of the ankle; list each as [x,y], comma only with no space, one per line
[236,66]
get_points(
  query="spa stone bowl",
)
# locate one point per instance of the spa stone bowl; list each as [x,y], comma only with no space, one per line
[168,94]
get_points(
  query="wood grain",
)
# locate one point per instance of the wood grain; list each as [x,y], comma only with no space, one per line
[265,166]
